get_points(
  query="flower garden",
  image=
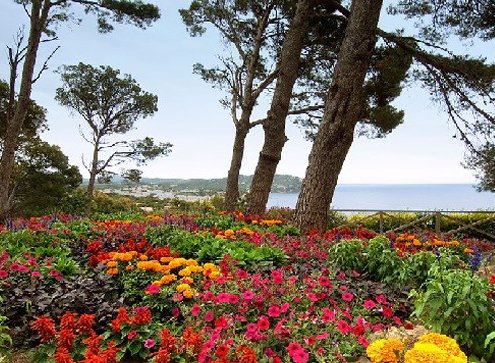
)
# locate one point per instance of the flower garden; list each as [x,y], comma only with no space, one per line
[232,288]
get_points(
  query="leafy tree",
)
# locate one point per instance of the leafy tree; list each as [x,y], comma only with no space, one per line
[42,176]
[456,81]
[132,175]
[44,17]
[468,96]
[252,29]
[110,104]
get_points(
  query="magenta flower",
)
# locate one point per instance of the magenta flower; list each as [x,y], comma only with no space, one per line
[132,334]
[36,274]
[209,316]
[195,310]
[149,343]
[274,311]
[248,295]
[369,304]
[347,296]
[152,289]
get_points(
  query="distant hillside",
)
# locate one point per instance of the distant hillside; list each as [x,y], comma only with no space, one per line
[281,184]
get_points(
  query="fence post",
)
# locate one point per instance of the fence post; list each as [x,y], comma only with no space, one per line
[381,222]
[438,217]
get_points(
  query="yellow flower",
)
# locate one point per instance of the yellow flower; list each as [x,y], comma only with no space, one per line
[129,268]
[143,258]
[185,272]
[191,262]
[385,350]
[112,271]
[167,279]
[443,342]
[166,259]
[182,287]
[112,264]
[176,262]
[214,275]
[189,293]
[229,233]
[431,353]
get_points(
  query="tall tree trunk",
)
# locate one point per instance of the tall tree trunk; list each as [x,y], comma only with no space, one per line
[93,172]
[274,126]
[232,189]
[344,107]
[39,14]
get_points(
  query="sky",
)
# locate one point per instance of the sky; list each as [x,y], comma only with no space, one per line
[190,116]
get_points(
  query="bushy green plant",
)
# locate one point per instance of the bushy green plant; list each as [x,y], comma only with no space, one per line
[455,303]
[348,255]
[383,262]
[5,338]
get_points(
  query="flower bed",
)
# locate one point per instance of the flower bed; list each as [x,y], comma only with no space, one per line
[229,288]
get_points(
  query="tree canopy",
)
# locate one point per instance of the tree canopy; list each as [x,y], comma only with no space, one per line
[110,104]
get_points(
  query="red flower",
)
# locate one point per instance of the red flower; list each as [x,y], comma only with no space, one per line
[369,304]
[343,327]
[492,279]
[62,355]
[66,338]
[45,328]
[167,341]
[263,323]
[142,315]
[222,350]
[68,321]
[346,296]
[85,323]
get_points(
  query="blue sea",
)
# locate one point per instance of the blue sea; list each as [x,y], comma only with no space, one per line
[401,197]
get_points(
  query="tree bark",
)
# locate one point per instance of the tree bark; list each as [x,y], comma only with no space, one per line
[232,189]
[38,18]
[93,172]
[344,107]
[274,126]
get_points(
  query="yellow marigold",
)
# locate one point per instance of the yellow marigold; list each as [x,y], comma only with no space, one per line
[196,269]
[112,271]
[182,287]
[129,268]
[185,272]
[219,236]
[191,262]
[443,342]
[214,275]
[166,259]
[189,293]
[143,258]
[209,267]
[112,264]
[430,353]
[167,279]
[157,282]
[385,350]
[229,232]
[176,262]
[455,243]
[112,254]
[468,250]
[416,242]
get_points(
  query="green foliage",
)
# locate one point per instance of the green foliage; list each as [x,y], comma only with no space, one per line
[102,203]
[384,263]
[465,18]
[482,161]
[348,255]
[455,303]
[89,91]
[5,338]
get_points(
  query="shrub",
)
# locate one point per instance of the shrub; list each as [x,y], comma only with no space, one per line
[348,255]
[455,303]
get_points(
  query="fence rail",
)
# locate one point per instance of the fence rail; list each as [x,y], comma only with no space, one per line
[480,223]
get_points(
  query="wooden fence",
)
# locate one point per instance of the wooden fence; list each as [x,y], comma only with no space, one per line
[479,223]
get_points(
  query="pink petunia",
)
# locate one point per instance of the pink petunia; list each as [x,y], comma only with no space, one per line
[36,274]
[195,310]
[369,304]
[149,343]
[274,311]
[263,323]
[347,296]
[132,334]
[152,289]
[248,295]
[209,316]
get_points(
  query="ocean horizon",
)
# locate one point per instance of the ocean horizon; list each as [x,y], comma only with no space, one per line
[448,197]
